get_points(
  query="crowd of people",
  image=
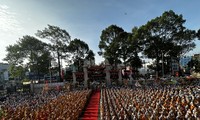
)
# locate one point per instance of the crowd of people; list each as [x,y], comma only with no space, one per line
[154,103]
[149,102]
[52,105]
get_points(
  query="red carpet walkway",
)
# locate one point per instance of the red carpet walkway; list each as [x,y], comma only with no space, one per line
[91,111]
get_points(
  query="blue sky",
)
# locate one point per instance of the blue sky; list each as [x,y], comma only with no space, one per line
[85,19]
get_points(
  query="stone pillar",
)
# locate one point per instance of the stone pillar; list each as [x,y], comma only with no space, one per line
[119,75]
[85,74]
[108,81]
[74,76]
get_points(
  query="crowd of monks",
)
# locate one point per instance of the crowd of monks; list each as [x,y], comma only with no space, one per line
[117,103]
[152,103]
[48,106]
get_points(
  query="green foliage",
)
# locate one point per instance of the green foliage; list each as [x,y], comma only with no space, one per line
[119,46]
[109,43]
[32,50]
[136,46]
[198,34]
[60,40]
[165,35]
[90,55]
[80,51]
[124,47]
[14,54]
[195,63]
[136,62]
[41,65]
[161,38]
[35,50]
[17,71]
[55,34]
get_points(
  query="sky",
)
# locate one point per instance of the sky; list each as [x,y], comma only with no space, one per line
[85,19]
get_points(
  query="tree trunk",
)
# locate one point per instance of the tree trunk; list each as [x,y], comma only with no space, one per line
[59,72]
[157,64]
[38,72]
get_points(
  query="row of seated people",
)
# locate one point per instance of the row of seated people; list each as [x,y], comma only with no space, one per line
[164,103]
[48,106]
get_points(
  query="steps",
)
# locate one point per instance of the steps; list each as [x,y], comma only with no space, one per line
[92,109]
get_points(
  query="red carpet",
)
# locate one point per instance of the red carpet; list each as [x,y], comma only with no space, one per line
[91,111]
